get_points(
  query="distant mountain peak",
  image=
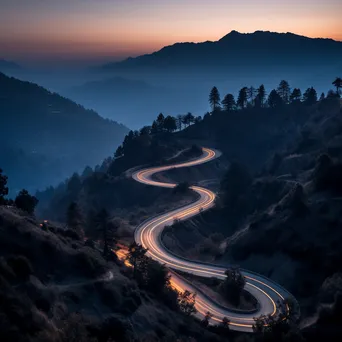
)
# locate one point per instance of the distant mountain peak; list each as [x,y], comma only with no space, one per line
[231,34]
[235,48]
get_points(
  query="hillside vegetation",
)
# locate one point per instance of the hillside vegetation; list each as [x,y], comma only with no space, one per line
[283,221]
[56,288]
[45,137]
[277,210]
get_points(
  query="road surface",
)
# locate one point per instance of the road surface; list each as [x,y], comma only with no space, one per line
[148,234]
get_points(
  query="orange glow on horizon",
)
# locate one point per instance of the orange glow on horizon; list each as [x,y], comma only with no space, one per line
[117,28]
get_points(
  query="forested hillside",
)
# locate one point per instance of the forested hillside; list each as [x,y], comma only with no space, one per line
[45,137]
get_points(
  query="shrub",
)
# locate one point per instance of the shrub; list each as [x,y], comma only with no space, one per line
[181,188]
[21,266]
[327,175]
[89,265]
[90,243]
[233,285]
[74,329]
[26,202]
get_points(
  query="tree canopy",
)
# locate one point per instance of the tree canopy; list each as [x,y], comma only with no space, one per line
[26,202]
[338,84]
[3,187]
[229,102]
[214,99]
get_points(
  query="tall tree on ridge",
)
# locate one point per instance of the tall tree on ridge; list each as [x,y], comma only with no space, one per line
[310,96]
[119,152]
[3,187]
[75,219]
[261,96]
[338,84]
[154,128]
[26,202]
[107,230]
[284,91]
[214,99]
[160,122]
[296,95]
[274,99]
[170,124]
[179,122]
[228,102]
[251,91]
[188,119]
[242,98]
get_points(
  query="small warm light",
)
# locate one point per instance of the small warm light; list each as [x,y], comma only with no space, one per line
[122,254]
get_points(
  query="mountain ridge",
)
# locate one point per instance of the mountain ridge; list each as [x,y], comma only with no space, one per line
[181,53]
[55,135]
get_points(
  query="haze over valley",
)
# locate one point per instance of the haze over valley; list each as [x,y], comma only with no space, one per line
[170,171]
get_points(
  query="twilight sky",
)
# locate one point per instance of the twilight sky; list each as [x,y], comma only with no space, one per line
[99,30]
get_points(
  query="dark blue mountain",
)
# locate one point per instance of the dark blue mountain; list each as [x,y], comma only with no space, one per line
[237,49]
[44,137]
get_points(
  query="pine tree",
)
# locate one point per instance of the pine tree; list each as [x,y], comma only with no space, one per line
[242,98]
[188,119]
[296,95]
[251,91]
[170,124]
[3,188]
[179,122]
[26,202]
[284,91]
[160,122]
[75,219]
[107,230]
[214,99]
[310,96]
[261,96]
[154,128]
[274,99]
[119,152]
[187,301]
[228,102]
[137,258]
[146,130]
[338,84]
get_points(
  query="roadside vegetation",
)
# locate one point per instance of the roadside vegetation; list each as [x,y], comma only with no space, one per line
[286,213]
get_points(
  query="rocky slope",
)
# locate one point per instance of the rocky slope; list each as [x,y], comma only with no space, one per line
[284,221]
[54,288]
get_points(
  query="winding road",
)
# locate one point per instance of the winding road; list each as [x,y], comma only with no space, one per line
[148,234]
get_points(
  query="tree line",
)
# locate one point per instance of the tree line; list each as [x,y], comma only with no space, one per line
[23,200]
[248,97]
[257,97]
[162,124]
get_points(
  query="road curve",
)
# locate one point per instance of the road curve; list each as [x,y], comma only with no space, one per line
[148,234]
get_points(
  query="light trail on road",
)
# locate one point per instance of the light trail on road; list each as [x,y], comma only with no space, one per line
[148,234]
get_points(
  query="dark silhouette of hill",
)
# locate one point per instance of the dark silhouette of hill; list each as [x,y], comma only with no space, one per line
[260,48]
[280,220]
[45,137]
[190,69]
[84,296]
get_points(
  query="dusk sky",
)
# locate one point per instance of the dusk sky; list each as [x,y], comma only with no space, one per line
[95,30]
